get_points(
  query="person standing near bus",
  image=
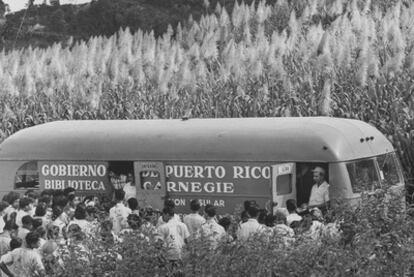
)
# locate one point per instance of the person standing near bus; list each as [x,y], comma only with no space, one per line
[119,213]
[319,196]
[194,220]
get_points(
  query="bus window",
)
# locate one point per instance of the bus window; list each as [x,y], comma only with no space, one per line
[388,168]
[363,175]
[121,174]
[27,176]
[284,184]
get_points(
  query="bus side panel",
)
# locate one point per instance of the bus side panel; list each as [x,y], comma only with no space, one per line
[8,171]
[340,189]
[225,204]
[226,185]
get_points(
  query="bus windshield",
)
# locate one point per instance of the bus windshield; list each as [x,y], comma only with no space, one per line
[370,174]
[390,169]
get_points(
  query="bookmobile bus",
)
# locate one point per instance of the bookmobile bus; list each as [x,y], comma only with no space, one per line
[219,161]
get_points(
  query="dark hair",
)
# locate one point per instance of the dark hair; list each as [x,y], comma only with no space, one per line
[11,224]
[80,211]
[40,209]
[75,231]
[291,205]
[244,215]
[56,212]
[24,202]
[27,219]
[60,200]
[134,221]
[253,211]
[15,243]
[58,192]
[225,222]
[11,197]
[133,203]
[40,230]
[32,194]
[68,191]
[169,203]
[195,205]
[119,194]
[3,205]
[44,199]
[46,192]
[32,238]
[210,210]
[249,203]
[90,210]
[37,222]
[270,220]
[295,224]
[168,211]
[262,216]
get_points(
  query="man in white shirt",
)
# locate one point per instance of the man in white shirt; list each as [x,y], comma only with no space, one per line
[211,230]
[168,203]
[319,196]
[26,208]
[173,234]
[194,220]
[25,261]
[251,226]
[119,213]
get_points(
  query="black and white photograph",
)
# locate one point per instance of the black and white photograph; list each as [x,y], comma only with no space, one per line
[206,138]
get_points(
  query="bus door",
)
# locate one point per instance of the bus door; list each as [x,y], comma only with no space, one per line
[150,184]
[283,183]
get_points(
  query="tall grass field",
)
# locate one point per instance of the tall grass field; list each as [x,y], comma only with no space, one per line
[352,59]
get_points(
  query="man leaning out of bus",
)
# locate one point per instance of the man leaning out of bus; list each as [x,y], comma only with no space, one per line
[319,196]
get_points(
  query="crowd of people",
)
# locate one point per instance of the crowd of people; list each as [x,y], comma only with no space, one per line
[36,228]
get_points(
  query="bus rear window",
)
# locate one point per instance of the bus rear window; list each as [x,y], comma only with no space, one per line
[363,176]
[27,176]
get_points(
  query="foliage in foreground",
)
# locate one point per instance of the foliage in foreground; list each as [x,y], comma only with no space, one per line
[377,240]
[336,58]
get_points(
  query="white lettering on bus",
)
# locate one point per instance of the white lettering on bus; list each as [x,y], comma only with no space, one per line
[74,170]
[220,172]
[198,171]
[209,187]
[248,172]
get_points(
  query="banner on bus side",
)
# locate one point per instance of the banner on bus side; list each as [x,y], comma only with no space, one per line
[82,176]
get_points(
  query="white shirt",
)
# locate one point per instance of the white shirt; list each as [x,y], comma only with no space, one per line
[173,234]
[23,262]
[248,228]
[292,217]
[20,214]
[319,194]
[213,231]
[161,221]
[119,214]
[315,231]
[85,225]
[193,222]
[130,191]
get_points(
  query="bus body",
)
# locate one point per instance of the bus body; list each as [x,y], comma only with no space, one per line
[222,162]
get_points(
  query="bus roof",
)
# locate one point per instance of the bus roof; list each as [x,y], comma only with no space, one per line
[306,139]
